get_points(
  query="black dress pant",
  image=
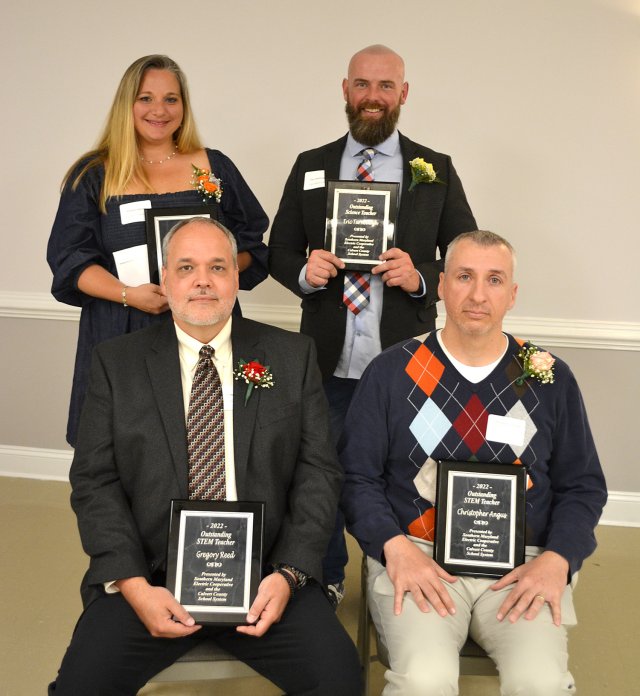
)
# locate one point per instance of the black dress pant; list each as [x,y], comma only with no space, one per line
[308,653]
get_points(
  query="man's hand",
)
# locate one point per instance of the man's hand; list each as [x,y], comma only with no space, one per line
[157,608]
[539,582]
[398,269]
[147,298]
[410,570]
[321,266]
[268,607]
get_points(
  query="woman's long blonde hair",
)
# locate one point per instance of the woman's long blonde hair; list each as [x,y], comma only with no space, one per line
[117,148]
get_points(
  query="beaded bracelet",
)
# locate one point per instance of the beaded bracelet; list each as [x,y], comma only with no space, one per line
[297,579]
[289,578]
[124,296]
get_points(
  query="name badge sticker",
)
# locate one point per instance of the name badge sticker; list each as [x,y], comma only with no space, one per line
[133,212]
[132,265]
[314,180]
[510,431]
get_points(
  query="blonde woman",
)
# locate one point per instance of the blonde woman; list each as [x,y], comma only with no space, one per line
[145,158]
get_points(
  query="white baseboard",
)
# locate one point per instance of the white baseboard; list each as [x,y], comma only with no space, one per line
[31,462]
[622,509]
[547,331]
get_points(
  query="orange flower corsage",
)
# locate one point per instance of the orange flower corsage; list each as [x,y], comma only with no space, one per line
[207,183]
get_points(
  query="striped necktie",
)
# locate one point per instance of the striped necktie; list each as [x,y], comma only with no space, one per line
[205,432]
[356,285]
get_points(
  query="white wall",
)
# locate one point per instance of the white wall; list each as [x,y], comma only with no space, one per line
[537,102]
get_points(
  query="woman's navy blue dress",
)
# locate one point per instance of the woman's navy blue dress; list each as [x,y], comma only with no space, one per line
[83,236]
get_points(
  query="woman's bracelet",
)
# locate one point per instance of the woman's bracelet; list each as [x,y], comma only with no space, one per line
[124,296]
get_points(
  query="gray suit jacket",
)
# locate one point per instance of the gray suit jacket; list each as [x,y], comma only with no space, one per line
[131,456]
[429,217]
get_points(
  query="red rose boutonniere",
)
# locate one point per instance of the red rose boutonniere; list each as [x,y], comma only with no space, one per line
[255,375]
[536,363]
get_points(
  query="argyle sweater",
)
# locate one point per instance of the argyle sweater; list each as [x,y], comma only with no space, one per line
[412,407]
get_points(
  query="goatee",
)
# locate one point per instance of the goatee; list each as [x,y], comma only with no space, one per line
[371,131]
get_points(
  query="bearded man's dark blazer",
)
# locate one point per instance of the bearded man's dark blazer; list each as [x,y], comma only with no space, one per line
[430,216]
[131,456]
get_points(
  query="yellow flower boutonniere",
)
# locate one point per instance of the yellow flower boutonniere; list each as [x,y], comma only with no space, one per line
[422,173]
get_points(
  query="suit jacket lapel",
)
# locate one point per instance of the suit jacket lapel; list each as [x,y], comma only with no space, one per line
[163,364]
[407,200]
[245,345]
[332,158]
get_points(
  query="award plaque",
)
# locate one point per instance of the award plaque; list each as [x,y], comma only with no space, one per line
[159,221]
[361,221]
[480,518]
[214,558]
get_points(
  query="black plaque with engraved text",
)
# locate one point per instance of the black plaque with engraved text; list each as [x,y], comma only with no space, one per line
[361,221]
[214,558]
[480,518]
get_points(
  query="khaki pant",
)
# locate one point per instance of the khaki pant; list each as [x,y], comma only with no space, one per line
[423,648]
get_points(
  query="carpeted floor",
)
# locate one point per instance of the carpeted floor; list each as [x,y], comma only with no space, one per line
[42,565]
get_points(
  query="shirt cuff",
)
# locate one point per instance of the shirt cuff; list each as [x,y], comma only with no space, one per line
[304,286]
[422,290]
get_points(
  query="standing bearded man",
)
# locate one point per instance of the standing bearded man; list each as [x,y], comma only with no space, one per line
[398,298]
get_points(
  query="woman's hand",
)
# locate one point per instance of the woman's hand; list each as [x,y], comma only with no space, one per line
[147,298]
[98,282]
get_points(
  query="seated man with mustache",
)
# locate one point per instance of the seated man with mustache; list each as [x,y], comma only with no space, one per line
[400,294]
[168,417]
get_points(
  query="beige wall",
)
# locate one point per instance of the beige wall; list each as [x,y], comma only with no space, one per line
[537,102]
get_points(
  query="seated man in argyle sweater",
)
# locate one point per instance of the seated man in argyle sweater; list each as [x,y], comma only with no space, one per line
[451,395]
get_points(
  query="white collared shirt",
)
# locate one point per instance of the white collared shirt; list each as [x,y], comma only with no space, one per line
[362,331]
[189,352]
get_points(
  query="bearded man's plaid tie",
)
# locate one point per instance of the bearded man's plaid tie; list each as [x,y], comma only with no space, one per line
[356,285]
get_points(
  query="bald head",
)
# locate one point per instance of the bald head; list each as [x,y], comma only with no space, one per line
[379,51]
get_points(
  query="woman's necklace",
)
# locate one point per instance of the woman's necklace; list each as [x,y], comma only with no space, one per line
[160,161]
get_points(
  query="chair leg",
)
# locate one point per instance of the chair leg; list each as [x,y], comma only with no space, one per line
[364,629]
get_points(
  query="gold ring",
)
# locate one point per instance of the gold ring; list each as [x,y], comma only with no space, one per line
[539,596]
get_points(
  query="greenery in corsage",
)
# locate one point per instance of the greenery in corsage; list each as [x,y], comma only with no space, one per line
[422,173]
[255,375]
[207,183]
[536,363]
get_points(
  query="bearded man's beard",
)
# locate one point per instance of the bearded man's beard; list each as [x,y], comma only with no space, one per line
[371,131]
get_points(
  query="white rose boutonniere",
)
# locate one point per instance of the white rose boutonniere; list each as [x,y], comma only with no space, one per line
[422,173]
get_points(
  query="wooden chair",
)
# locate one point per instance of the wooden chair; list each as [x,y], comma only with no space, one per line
[473,659]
